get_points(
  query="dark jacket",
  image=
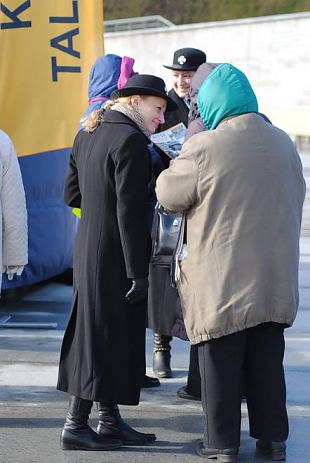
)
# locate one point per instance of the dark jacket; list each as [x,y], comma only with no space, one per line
[179,115]
[163,299]
[102,356]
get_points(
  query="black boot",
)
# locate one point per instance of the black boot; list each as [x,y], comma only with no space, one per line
[148,381]
[111,425]
[184,394]
[77,435]
[161,356]
[192,390]
[276,451]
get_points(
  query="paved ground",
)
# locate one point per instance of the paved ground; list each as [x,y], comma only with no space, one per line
[32,411]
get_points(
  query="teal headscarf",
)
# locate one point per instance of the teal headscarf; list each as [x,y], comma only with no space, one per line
[225,92]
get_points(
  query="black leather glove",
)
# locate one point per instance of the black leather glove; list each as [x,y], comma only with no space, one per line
[138,290]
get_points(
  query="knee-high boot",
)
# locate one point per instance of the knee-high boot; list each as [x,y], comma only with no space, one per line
[77,435]
[161,356]
[112,425]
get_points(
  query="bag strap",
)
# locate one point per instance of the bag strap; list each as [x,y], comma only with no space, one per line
[155,221]
[174,268]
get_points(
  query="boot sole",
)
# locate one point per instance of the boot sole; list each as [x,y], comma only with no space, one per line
[163,375]
[72,446]
[128,443]
[138,444]
[131,443]
[69,446]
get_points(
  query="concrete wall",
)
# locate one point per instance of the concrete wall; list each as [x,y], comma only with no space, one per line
[273,51]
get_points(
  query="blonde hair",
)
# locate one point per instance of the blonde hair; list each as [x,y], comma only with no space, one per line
[91,122]
[121,99]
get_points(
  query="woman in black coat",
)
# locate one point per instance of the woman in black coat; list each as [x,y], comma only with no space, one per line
[102,356]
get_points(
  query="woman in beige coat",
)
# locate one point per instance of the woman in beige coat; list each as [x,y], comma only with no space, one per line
[242,188]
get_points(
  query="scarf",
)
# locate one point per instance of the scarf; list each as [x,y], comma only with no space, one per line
[134,115]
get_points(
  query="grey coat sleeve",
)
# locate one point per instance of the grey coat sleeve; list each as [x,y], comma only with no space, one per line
[14,213]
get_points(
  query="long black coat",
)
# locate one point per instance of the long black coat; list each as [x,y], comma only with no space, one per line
[103,351]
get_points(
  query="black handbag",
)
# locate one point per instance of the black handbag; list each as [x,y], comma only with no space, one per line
[167,239]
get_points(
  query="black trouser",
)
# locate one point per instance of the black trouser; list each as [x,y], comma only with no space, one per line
[257,353]
[193,386]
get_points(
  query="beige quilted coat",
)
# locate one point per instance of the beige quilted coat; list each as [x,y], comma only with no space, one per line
[243,189]
[13,215]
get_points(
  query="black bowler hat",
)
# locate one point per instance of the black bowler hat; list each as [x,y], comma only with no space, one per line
[187,59]
[144,84]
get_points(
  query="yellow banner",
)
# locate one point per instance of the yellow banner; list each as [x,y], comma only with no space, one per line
[47,48]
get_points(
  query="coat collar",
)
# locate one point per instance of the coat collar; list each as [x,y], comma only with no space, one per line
[115,117]
[175,97]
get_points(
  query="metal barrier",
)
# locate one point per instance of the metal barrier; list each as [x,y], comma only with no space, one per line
[131,24]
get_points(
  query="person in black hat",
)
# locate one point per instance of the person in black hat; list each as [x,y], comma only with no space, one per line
[162,297]
[103,352]
[185,63]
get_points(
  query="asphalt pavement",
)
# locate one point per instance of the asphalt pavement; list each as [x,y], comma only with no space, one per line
[32,411]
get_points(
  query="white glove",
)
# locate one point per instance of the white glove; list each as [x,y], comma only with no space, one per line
[12,269]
